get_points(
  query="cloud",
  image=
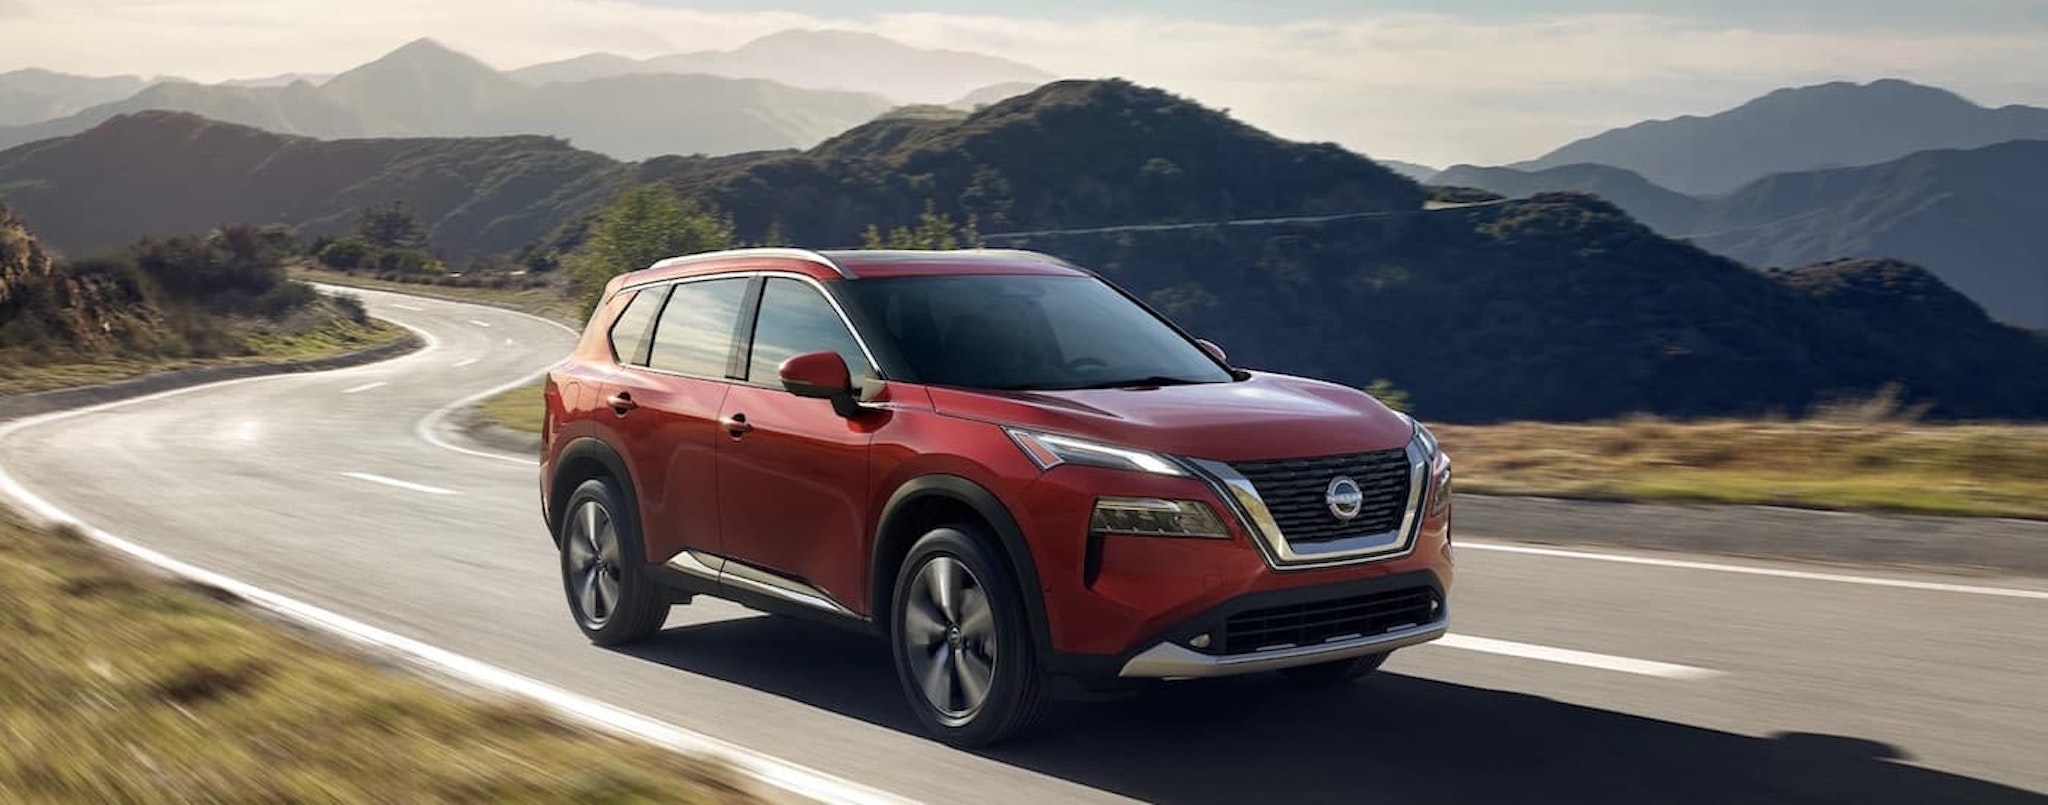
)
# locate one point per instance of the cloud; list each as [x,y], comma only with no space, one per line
[1431,87]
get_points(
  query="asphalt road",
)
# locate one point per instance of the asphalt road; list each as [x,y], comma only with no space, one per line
[1702,684]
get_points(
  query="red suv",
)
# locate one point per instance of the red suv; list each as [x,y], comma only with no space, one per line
[1024,478]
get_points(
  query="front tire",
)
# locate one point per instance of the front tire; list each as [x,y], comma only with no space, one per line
[962,642]
[603,572]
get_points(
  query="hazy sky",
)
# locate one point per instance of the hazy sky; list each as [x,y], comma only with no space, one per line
[1485,81]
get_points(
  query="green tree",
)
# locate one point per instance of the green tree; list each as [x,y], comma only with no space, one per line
[644,224]
[1388,393]
[391,226]
[346,253]
[934,232]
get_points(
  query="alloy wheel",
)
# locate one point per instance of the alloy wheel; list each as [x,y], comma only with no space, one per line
[949,631]
[593,567]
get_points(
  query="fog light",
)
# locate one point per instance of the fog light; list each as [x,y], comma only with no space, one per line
[1156,517]
[1199,641]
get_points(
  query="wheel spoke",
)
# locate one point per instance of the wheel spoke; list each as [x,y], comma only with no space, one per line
[608,591]
[975,675]
[586,593]
[581,554]
[977,621]
[922,624]
[590,523]
[937,679]
[945,587]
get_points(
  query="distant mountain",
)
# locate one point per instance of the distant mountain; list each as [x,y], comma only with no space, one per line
[1149,157]
[166,173]
[279,80]
[1838,124]
[1972,217]
[31,96]
[425,89]
[826,59]
[1420,173]
[1666,211]
[1569,311]
[993,93]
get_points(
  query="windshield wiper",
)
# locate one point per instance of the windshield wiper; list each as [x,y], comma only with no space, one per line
[1143,382]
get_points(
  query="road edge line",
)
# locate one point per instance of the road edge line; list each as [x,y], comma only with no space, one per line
[767,769]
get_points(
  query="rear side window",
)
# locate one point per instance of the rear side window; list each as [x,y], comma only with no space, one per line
[694,334]
[796,319]
[635,327]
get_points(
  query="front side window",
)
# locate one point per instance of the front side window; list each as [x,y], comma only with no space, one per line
[1016,332]
[796,319]
[694,336]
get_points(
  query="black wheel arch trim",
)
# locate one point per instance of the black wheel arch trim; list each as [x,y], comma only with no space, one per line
[1023,566]
[588,448]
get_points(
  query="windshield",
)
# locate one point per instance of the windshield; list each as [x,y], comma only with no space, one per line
[1028,332]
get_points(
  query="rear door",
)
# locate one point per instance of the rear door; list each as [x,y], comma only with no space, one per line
[665,402]
[792,474]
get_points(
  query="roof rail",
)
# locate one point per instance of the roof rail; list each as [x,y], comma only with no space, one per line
[806,255]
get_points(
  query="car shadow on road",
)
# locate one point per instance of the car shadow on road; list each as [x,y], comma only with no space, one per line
[1390,738]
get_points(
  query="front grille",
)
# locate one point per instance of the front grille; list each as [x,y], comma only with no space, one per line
[1318,622]
[1294,489]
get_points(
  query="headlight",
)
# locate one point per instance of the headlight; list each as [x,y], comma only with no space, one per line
[1156,517]
[1049,450]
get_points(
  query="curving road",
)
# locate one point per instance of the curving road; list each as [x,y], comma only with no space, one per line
[1570,677]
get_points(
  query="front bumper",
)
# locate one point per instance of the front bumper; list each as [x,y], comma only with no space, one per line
[1167,660]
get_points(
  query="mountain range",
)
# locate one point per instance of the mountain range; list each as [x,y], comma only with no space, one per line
[1970,216]
[1799,129]
[427,89]
[816,59]
[1559,306]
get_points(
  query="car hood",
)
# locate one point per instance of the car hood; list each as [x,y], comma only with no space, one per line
[1264,417]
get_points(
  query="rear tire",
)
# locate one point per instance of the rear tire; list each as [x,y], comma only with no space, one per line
[962,641]
[1332,674]
[604,568]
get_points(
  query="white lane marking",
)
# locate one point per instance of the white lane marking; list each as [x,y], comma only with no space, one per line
[408,307]
[1747,570]
[1586,659]
[379,479]
[479,323]
[362,388]
[799,780]
[466,362]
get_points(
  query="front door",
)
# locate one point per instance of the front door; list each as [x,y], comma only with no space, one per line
[792,474]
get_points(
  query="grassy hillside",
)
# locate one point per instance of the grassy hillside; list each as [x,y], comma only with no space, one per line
[162,305]
[1071,153]
[1562,308]
[161,173]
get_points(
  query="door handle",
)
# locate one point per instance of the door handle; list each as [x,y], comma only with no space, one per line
[621,403]
[736,425]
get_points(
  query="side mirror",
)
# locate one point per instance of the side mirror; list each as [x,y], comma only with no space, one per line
[1213,350]
[820,375]
[823,376]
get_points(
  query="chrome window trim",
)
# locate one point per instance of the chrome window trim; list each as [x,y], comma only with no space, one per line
[1244,501]
[806,255]
[844,320]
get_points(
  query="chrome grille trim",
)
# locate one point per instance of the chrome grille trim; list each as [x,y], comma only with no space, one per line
[1244,501]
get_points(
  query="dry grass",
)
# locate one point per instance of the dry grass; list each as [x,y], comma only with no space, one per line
[520,409]
[338,337]
[547,301]
[1857,457]
[121,687]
